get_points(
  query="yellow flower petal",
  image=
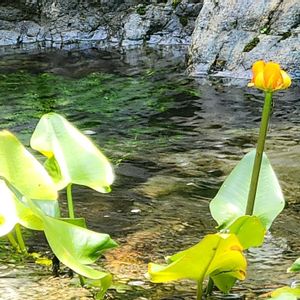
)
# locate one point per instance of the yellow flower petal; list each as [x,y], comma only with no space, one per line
[286,80]
[258,67]
[269,77]
[259,81]
[272,76]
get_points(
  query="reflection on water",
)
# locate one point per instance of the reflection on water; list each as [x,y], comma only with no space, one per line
[173,140]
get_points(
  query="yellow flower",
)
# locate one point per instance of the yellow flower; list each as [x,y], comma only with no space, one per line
[269,77]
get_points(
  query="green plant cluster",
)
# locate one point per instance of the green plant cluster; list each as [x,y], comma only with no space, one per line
[244,208]
[29,192]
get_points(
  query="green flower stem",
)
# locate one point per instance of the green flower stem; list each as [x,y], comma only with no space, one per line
[70,201]
[13,241]
[259,152]
[20,238]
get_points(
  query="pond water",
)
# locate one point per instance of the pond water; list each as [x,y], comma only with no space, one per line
[173,140]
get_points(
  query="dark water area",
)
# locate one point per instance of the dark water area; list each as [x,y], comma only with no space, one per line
[172,140]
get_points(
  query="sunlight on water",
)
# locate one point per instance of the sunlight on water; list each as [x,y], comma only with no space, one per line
[172,140]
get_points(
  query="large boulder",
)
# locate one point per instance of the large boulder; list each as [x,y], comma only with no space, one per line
[230,35]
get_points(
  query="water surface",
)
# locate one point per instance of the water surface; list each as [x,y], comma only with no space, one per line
[173,140]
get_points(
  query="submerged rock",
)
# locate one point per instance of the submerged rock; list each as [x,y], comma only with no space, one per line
[230,35]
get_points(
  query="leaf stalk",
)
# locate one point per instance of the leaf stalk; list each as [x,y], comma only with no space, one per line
[13,241]
[70,201]
[20,239]
[200,289]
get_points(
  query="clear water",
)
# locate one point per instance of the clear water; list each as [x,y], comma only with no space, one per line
[173,140]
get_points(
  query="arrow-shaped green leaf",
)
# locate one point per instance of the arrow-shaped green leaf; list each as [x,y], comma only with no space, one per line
[231,200]
[73,245]
[72,157]
[218,256]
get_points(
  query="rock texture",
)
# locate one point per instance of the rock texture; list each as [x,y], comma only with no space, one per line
[230,35]
[59,23]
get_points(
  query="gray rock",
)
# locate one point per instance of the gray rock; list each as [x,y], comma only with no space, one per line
[70,36]
[9,37]
[100,34]
[155,39]
[57,38]
[230,35]
[59,23]
[33,29]
[6,25]
[135,27]
[10,14]
[174,25]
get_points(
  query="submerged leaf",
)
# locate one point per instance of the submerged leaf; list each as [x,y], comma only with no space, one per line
[22,170]
[295,267]
[218,256]
[286,293]
[72,157]
[231,201]
[101,285]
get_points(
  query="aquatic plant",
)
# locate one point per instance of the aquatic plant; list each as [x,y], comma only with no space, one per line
[244,208]
[29,193]
[71,157]
[289,292]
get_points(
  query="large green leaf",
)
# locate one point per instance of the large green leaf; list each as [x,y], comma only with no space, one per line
[84,244]
[249,230]
[76,246]
[72,157]
[73,245]
[21,169]
[218,256]
[231,200]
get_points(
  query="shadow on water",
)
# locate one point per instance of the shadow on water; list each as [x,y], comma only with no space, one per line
[172,140]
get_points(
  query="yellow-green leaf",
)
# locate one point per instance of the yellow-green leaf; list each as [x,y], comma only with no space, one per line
[73,245]
[22,170]
[72,157]
[286,293]
[8,212]
[218,256]
[231,201]
[249,230]
[14,211]
[295,267]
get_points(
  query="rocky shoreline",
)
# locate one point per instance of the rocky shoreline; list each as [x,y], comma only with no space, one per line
[119,23]
[224,37]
